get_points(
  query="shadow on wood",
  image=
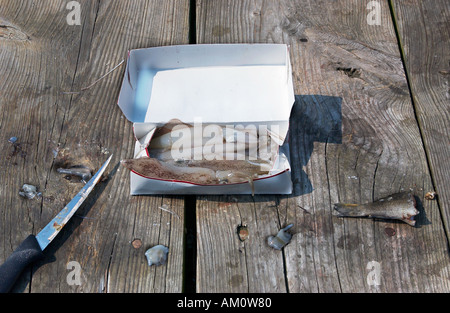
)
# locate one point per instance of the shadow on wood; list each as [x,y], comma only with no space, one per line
[421,218]
[314,118]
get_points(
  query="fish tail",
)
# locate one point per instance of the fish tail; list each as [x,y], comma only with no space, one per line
[348,209]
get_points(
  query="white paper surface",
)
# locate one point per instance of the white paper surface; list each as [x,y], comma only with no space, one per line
[219,95]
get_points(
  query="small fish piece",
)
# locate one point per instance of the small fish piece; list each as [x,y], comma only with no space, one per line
[157,255]
[12,140]
[242,232]
[400,206]
[430,195]
[281,239]
[29,191]
[79,170]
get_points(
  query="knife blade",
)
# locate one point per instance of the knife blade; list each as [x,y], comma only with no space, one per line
[31,249]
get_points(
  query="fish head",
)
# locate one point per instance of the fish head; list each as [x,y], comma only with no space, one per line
[409,214]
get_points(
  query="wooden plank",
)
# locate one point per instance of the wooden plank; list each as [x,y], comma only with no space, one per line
[42,58]
[354,138]
[224,263]
[427,63]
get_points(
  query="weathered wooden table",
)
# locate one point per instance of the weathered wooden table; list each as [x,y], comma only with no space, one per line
[371,118]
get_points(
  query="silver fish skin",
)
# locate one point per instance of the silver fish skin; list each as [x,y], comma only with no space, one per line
[81,171]
[399,206]
[281,239]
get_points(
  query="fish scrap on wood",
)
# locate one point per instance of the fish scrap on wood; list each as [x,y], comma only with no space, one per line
[281,239]
[400,206]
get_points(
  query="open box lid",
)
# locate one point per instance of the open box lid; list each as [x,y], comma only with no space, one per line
[218,83]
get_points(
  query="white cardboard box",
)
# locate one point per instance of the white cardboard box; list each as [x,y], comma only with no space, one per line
[221,84]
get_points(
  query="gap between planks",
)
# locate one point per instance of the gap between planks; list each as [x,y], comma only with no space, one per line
[190,245]
[190,202]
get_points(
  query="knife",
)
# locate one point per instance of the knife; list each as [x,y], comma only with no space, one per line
[31,249]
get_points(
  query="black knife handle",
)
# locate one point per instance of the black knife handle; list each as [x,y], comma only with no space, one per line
[28,252]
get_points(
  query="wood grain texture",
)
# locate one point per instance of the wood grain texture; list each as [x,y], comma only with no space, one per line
[41,60]
[354,138]
[424,31]
[224,263]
